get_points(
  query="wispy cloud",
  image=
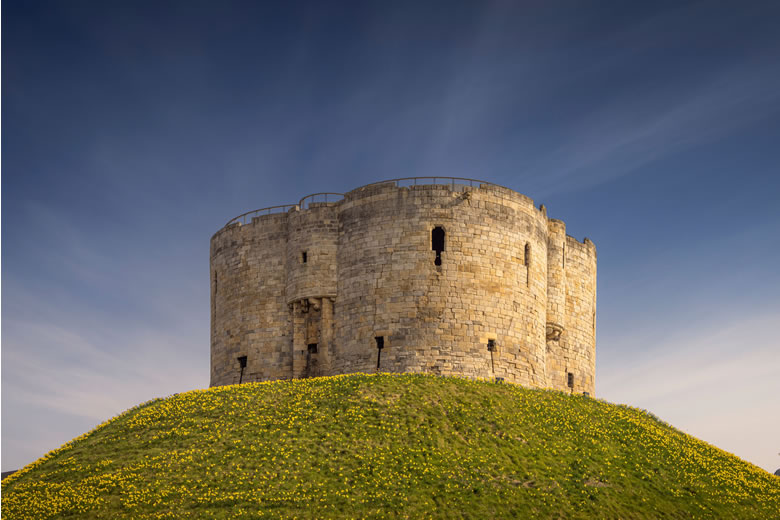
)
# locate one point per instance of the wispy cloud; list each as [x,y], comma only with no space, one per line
[631,132]
[90,330]
[61,366]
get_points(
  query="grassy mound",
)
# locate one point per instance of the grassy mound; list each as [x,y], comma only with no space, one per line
[387,446]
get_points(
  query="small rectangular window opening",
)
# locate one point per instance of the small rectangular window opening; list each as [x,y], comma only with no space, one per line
[570,380]
[312,348]
[491,345]
[304,257]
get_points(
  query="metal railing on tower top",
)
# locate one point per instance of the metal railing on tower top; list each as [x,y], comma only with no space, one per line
[401,182]
[284,208]
[413,181]
[304,202]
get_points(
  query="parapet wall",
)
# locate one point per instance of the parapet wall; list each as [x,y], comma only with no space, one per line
[355,286]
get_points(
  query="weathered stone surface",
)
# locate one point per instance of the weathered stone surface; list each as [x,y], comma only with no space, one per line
[507,273]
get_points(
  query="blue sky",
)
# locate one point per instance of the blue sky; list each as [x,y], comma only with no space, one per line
[133,131]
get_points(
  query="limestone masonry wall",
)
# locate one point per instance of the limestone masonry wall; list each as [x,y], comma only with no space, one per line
[451,279]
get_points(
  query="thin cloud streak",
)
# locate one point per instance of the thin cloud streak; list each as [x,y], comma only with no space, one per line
[617,139]
[84,372]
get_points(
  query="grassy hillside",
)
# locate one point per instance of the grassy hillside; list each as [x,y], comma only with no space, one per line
[387,446]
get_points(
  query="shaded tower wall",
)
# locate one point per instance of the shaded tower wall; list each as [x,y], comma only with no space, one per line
[579,340]
[249,313]
[440,318]
[311,286]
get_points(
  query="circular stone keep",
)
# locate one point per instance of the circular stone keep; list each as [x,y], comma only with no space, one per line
[465,278]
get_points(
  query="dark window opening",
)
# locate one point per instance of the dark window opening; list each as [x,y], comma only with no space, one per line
[304,257]
[242,364]
[215,283]
[312,348]
[437,243]
[380,344]
[570,380]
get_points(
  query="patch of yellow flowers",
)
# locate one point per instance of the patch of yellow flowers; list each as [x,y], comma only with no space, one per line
[373,445]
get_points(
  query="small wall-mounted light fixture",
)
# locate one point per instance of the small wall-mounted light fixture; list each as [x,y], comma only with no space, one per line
[380,344]
[242,364]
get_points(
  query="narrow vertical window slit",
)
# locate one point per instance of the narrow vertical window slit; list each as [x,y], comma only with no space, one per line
[527,262]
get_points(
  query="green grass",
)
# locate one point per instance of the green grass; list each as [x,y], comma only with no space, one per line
[388,446]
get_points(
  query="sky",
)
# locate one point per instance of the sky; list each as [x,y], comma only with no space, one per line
[133,131]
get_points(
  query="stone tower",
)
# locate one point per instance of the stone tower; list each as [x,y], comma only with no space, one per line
[464,278]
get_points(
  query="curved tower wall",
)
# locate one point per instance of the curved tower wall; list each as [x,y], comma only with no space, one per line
[315,232]
[509,278]
[579,339]
[249,313]
[439,318]
[311,286]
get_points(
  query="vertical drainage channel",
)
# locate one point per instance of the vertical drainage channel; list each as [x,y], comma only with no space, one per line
[242,363]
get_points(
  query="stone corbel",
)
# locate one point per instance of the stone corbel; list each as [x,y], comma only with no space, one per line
[554,331]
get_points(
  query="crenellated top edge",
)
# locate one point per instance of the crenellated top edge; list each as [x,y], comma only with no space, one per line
[586,244]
